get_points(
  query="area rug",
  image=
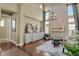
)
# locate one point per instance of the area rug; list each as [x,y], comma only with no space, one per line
[49,48]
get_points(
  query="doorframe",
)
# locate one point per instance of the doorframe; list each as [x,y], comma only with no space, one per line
[11,13]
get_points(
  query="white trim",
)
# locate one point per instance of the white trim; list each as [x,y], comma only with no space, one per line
[13,42]
[21,44]
[4,40]
[17,44]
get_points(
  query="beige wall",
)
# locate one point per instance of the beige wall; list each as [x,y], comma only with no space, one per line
[32,21]
[5,32]
[9,6]
[22,10]
[0,13]
[61,12]
[32,10]
[0,18]
[29,10]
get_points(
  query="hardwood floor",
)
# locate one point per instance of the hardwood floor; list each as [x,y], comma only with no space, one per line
[30,49]
[9,49]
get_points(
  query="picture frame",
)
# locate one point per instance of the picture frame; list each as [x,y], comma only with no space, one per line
[28,28]
[58,29]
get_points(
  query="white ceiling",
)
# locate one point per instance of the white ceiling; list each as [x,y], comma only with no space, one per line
[49,6]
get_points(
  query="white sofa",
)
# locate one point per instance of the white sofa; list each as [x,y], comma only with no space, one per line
[31,37]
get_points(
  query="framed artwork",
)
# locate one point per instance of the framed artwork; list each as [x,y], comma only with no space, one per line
[28,28]
[58,29]
[36,28]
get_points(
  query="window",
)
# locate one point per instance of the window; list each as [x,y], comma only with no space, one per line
[71,20]
[47,23]
[2,23]
[13,25]
[70,10]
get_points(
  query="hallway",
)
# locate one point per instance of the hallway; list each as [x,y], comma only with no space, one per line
[26,27]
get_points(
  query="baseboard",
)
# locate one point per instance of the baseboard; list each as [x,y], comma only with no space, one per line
[13,42]
[17,44]
[20,44]
[3,41]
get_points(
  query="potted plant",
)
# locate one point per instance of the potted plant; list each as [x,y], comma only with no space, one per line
[72,49]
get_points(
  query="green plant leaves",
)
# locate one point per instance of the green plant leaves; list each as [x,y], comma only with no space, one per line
[72,49]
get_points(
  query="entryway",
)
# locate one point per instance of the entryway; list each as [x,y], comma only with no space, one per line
[7,29]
